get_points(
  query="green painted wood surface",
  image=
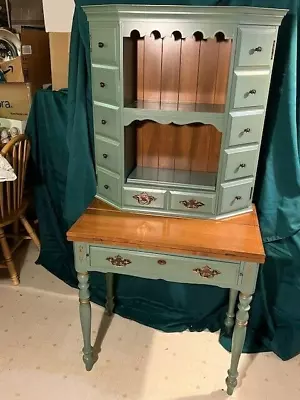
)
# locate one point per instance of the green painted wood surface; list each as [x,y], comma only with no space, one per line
[240,162]
[108,185]
[107,121]
[245,127]
[192,202]
[236,195]
[144,197]
[230,315]
[108,154]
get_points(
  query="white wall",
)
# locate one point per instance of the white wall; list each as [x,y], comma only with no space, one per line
[58,15]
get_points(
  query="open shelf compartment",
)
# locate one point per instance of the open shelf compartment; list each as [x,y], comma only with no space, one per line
[172,156]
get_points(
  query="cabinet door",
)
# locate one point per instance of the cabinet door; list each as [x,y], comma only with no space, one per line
[256,45]
[107,154]
[106,85]
[107,121]
[236,196]
[251,88]
[108,185]
[240,162]
[245,127]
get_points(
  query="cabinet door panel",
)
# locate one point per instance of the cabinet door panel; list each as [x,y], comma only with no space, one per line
[251,88]
[240,162]
[245,127]
[104,45]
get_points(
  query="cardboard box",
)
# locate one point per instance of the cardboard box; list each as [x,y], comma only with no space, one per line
[15,100]
[59,52]
[34,63]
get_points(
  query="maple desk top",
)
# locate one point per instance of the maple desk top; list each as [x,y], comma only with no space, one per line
[235,238]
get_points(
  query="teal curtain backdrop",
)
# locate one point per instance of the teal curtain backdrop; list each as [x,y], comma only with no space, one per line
[60,126]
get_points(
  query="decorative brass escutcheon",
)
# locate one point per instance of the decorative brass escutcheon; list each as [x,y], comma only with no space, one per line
[118,261]
[206,272]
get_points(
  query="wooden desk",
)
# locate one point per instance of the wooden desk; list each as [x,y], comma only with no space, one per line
[223,253]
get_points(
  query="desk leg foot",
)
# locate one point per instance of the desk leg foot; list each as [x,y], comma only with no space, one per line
[238,340]
[85,319]
[229,320]
[110,305]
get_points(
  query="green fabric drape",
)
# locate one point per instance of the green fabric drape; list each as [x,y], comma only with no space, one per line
[66,184]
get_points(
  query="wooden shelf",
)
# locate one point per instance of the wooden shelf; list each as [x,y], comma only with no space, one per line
[173,178]
[177,113]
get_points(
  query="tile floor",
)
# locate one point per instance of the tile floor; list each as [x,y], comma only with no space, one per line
[40,357]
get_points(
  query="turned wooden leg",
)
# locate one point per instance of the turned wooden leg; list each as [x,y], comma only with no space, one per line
[85,319]
[30,231]
[8,260]
[238,340]
[109,306]
[229,320]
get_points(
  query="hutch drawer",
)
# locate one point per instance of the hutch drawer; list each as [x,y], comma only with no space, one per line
[164,266]
[236,195]
[192,202]
[245,127]
[108,154]
[106,121]
[256,45]
[108,185]
[106,85]
[252,88]
[240,162]
[144,197]
[104,45]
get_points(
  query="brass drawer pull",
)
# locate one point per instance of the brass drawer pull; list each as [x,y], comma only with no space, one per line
[105,155]
[118,261]
[258,49]
[206,272]
[238,197]
[144,198]
[103,122]
[247,130]
[252,91]
[100,44]
[102,84]
[192,203]
[242,165]
[106,187]
[161,262]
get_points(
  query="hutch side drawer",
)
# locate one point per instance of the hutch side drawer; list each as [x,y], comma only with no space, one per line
[104,45]
[251,88]
[164,266]
[107,154]
[106,121]
[106,85]
[236,195]
[245,127]
[256,45]
[192,202]
[108,185]
[240,162]
[144,197]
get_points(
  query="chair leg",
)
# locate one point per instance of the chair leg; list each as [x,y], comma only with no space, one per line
[8,260]
[30,231]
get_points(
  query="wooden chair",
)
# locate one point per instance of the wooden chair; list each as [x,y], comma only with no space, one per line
[13,202]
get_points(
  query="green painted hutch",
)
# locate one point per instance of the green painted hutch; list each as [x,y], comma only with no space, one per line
[179,102]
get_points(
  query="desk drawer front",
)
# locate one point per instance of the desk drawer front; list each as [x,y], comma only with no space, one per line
[251,89]
[236,196]
[245,127]
[107,154]
[240,162]
[108,185]
[106,121]
[106,85]
[104,45]
[146,198]
[192,202]
[164,266]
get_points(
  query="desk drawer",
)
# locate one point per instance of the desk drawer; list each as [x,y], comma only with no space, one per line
[146,198]
[236,196]
[240,162]
[107,154]
[256,45]
[164,266]
[252,88]
[106,85]
[106,121]
[104,45]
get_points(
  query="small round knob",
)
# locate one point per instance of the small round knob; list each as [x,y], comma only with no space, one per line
[247,130]
[238,197]
[162,262]
[105,156]
[103,122]
[258,49]
[100,44]
[102,84]
[106,187]
[252,91]
[242,165]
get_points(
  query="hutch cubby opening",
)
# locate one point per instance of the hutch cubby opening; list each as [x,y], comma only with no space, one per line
[176,73]
[172,155]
